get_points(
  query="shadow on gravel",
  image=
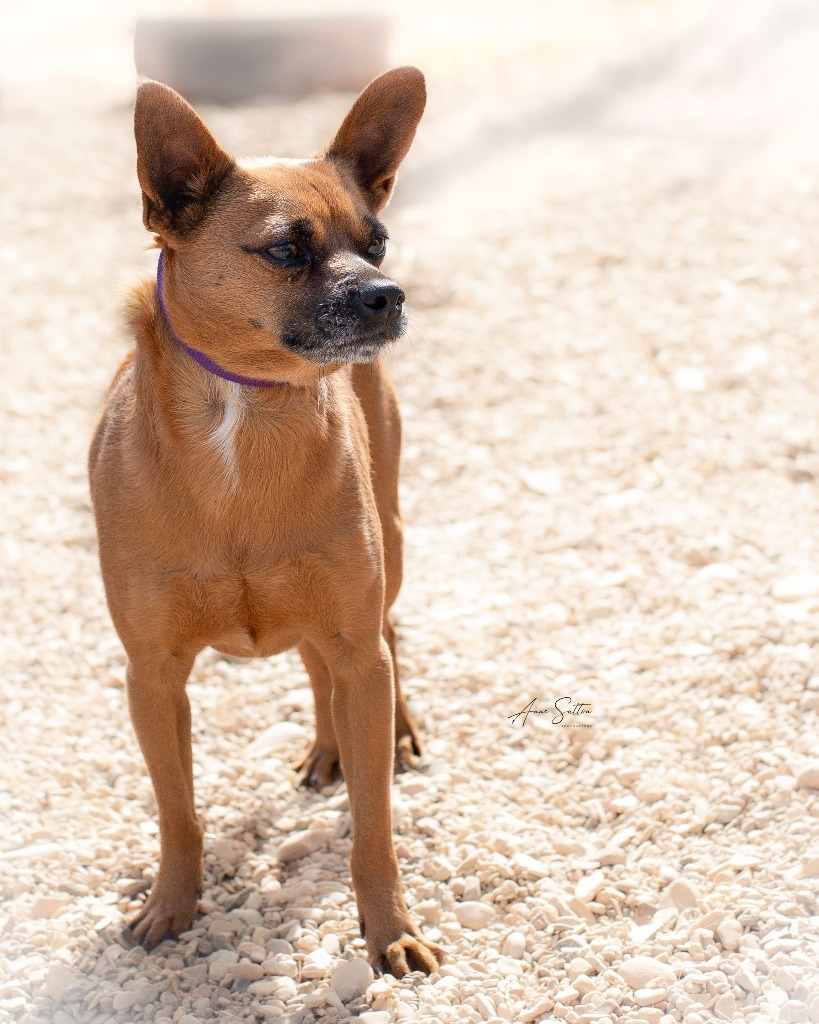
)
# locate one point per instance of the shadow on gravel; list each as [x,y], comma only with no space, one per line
[586,109]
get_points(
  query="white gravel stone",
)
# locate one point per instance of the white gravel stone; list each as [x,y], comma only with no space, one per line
[247,971]
[302,843]
[729,933]
[530,867]
[588,886]
[277,737]
[429,911]
[474,915]
[220,964]
[796,587]
[46,908]
[508,966]
[351,979]
[123,1000]
[808,777]
[317,964]
[538,1007]
[639,971]
[439,868]
[683,893]
[577,967]
[485,1006]
[650,996]
[514,945]
[281,988]
[281,965]
[58,981]
[746,977]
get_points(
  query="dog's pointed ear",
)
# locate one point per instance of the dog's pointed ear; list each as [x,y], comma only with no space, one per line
[179,163]
[377,133]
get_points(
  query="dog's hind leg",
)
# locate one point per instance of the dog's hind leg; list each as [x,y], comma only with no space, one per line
[407,740]
[160,712]
[322,766]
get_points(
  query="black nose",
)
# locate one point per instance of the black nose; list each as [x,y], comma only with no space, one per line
[381,299]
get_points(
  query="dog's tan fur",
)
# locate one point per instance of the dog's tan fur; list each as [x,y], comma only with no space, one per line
[255,519]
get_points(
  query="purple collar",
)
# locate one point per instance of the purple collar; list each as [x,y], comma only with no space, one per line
[194,353]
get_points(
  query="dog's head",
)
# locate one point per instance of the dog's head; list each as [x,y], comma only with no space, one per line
[272,265]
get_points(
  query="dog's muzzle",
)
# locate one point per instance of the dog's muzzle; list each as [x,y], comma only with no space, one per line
[354,324]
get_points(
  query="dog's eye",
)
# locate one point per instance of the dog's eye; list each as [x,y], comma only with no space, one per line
[285,252]
[378,246]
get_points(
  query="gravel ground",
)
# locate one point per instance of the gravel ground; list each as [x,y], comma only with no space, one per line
[610,484]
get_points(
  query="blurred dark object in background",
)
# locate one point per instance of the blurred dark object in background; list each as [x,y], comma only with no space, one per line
[227,60]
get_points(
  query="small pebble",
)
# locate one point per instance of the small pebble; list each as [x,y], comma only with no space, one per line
[649,996]
[578,966]
[58,980]
[45,908]
[794,1012]
[729,932]
[508,966]
[529,867]
[474,915]
[246,971]
[352,978]
[282,988]
[282,734]
[588,886]
[683,893]
[123,1000]
[726,1005]
[300,844]
[439,869]
[809,867]
[280,964]
[220,964]
[639,971]
[429,911]
[808,778]
[514,945]
[797,587]
[316,964]
[746,977]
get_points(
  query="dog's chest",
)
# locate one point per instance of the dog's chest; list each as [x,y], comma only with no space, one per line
[223,430]
[262,612]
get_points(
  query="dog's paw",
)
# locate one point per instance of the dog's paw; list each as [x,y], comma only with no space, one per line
[407,752]
[409,952]
[164,916]
[321,767]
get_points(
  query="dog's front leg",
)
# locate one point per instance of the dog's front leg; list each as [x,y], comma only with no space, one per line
[160,712]
[363,709]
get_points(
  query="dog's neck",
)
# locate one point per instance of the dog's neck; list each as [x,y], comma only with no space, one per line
[215,429]
[202,358]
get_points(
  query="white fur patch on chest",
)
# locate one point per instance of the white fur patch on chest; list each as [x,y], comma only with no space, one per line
[223,437]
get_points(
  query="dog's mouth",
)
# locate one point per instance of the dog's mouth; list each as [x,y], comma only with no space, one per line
[339,337]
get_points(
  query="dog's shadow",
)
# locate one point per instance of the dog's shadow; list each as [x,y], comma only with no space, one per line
[253,907]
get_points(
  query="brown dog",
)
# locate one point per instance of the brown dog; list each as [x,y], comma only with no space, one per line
[244,471]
